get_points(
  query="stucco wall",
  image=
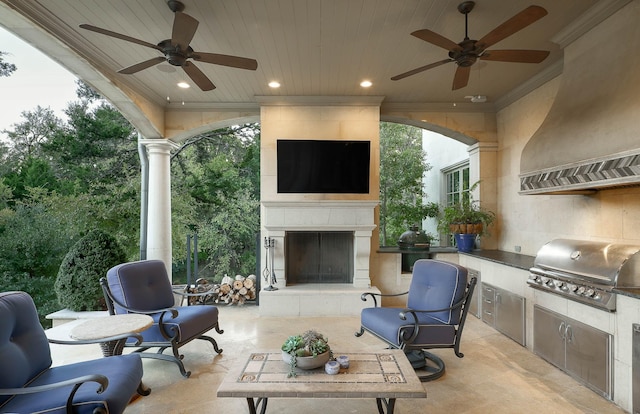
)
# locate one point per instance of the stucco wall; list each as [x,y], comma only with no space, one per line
[531,220]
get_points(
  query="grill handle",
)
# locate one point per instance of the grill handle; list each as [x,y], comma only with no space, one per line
[562,330]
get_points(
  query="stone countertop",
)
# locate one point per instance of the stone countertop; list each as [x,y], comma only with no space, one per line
[525,262]
[517,260]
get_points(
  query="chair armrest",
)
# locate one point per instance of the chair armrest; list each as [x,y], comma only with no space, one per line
[76,382]
[363,297]
[187,294]
[100,379]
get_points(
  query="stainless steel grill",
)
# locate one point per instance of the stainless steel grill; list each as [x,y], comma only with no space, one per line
[586,271]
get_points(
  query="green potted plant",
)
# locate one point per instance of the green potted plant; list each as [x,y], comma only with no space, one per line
[466,217]
[307,351]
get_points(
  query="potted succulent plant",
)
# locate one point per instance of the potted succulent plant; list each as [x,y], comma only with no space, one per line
[307,351]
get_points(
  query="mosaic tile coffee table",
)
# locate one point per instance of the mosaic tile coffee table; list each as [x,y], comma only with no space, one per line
[384,375]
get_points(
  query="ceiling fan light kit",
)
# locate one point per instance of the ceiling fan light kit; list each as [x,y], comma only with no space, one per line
[177,52]
[466,53]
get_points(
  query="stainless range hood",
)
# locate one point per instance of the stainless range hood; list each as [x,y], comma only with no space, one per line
[590,139]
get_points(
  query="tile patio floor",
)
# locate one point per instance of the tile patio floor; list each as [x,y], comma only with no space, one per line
[496,375]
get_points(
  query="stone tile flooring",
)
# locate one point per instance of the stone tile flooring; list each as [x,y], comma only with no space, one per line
[496,375]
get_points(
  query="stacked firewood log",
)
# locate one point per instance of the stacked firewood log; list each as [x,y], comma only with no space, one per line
[229,291]
[236,291]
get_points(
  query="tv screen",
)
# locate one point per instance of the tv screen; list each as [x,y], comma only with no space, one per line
[314,166]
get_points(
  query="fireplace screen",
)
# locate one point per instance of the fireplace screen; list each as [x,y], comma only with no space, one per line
[318,257]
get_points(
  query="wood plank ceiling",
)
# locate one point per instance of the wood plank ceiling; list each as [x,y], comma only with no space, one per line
[312,47]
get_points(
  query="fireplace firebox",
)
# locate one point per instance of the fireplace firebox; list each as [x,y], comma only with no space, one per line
[318,257]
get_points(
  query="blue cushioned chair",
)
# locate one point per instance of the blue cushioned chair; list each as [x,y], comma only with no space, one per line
[144,287]
[29,384]
[434,317]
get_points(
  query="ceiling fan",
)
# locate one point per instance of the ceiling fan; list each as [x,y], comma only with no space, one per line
[177,51]
[467,52]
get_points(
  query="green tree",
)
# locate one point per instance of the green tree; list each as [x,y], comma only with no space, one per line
[216,192]
[402,165]
[28,135]
[33,240]
[6,68]
[97,147]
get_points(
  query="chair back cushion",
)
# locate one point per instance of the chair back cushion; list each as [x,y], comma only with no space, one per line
[24,349]
[142,285]
[437,285]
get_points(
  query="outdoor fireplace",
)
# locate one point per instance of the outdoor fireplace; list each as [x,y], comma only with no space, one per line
[345,223]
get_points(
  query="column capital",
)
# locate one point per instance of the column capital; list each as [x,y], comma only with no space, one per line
[159,144]
[491,146]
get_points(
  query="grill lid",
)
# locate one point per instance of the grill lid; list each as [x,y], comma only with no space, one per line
[615,265]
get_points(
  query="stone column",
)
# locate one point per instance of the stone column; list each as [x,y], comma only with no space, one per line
[483,167]
[159,209]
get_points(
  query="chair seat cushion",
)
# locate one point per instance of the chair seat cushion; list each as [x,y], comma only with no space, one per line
[191,322]
[387,325]
[124,373]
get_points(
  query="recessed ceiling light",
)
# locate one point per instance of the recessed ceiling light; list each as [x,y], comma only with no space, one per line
[274,84]
[183,85]
[366,83]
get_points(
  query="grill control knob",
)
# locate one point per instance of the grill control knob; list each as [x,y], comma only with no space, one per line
[581,290]
[545,280]
[573,288]
[533,278]
[550,282]
[590,292]
[559,284]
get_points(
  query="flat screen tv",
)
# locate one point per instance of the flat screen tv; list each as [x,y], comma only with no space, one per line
[315,166]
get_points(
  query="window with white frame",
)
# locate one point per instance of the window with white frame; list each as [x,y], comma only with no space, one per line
[456,181]
[456,188]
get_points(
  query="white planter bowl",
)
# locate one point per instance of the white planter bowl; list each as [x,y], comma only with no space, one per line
[308,362]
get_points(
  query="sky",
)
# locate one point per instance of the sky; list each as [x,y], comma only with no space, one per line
[38,80]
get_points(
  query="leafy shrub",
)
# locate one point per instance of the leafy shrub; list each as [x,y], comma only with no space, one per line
[78,283]
[39,287]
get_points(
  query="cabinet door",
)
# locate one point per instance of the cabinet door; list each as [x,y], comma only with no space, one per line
[509,315]
[548,336]
[589,356]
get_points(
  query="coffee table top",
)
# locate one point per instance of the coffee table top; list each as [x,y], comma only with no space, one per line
[384,374]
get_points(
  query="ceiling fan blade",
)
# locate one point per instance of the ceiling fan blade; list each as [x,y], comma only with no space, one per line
[198,77]
[120,36]
[225,60]
[461,78]
[518,56]
[421,69]
[184,28]
[436,39]
[142,65]
[518,22]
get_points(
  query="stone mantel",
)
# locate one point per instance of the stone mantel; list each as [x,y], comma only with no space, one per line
[319,215]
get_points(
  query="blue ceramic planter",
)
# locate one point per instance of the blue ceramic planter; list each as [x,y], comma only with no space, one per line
[465,242]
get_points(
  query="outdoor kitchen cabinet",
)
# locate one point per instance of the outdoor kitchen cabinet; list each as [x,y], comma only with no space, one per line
[580,350]
[504,311]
